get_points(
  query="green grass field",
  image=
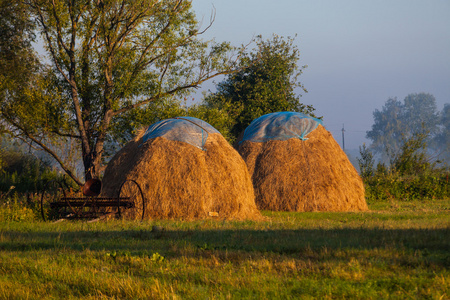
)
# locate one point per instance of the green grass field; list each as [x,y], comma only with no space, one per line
[397,250]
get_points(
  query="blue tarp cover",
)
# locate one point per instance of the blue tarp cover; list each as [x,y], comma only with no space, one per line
[185,129]
[280,126]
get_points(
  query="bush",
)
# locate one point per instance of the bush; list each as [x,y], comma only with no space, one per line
[413,187]
[410,175]
[16,208]
[24,172]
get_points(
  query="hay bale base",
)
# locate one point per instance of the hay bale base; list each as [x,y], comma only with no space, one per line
[311,175]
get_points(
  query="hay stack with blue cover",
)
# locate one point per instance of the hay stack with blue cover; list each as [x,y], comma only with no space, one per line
[296,165]
[187,170]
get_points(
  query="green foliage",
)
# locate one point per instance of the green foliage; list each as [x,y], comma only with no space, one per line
[401,134]
[217,118]
[266,83]
[410,175]
[14,208]
[107,58]
[366,162]
[412,158]
[407,188]
[17,60]
[19,66]
[24,172]
[156,257]
[127,125]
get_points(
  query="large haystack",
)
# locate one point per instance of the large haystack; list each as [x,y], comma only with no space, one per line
[183,181]
[304,173]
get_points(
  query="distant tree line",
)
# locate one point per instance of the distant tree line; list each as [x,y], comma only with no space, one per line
[412,140]
[399,121]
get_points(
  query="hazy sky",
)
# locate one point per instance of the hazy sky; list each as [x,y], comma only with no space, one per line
[359,53]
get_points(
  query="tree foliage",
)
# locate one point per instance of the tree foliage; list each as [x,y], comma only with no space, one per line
[267,83]
[398,121]
[17,59]
[18,62]
[366,162]
[412,158]
[127,126]
[23,170]
[404,133]
[411,174]
[442,140]
[108,59]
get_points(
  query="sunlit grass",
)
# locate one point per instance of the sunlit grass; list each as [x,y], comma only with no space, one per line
[397,251]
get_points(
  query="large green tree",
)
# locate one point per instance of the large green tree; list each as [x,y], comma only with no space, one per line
[107,59]
[267,83]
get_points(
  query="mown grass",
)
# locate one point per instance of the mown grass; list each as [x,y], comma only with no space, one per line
[398,250]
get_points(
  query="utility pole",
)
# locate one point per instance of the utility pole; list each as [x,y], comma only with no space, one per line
[343,140]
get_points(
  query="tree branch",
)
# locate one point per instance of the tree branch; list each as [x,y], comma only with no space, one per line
[44,147]
[170,92]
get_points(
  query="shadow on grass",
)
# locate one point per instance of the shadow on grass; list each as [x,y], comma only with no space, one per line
[287,242]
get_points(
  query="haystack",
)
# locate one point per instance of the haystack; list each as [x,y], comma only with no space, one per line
[296,165]
[187,170]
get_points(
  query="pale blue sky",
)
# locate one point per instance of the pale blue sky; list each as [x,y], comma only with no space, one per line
[359,53]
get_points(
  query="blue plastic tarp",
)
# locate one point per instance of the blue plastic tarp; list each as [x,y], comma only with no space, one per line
[184,129]
[280,126]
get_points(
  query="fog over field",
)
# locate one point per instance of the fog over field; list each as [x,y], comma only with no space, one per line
[359,53]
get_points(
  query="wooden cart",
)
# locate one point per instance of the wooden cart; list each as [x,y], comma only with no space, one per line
[59,203]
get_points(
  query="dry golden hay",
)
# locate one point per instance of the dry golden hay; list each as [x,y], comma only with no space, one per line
[181,181]
[296,175]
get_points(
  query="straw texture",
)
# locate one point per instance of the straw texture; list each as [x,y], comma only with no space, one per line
[311,175]
[181,181]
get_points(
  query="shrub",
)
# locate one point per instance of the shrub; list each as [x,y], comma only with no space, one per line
[366,162]
[410,175]
[16,208]
[413,187]
[24,172]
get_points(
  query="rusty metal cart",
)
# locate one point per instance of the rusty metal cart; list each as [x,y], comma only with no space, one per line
[59,203]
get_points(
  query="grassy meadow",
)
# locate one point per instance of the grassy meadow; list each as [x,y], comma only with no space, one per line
[397,250]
